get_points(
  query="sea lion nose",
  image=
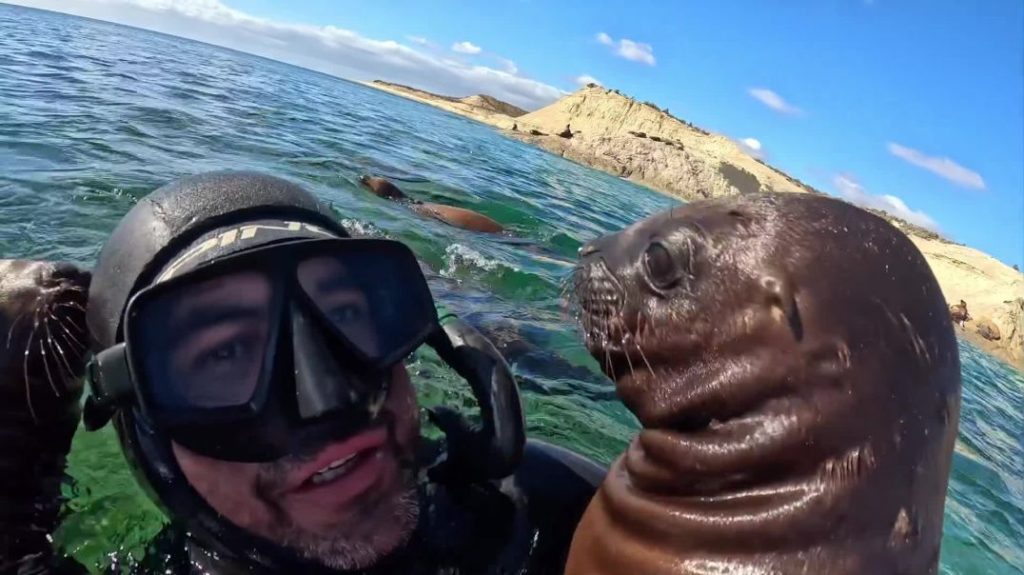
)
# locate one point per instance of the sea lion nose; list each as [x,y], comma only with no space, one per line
[66,274]
[70,272]
[587,250]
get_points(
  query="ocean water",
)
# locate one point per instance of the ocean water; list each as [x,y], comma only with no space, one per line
[93,116]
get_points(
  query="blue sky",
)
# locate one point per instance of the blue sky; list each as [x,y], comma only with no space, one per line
[913,106]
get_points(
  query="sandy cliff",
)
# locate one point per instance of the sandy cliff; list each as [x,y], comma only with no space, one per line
[641,142]
[649,146]
[480,107]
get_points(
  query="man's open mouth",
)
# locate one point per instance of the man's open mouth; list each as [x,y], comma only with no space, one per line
[341,467]
[342,459]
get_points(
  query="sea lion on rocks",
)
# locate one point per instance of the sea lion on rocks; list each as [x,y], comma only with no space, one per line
[790,359]
[458,217]
[42,325]
[987,329]
[959,313]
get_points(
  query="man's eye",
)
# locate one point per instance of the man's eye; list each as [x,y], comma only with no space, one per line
[223,354]
[346,314]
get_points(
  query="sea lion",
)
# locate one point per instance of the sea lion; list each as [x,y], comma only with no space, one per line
[959,313]
[791,362]
[458,217]
[42,325]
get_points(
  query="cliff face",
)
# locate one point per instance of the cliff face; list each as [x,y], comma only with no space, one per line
[493,104]
[648,145]
[990,288]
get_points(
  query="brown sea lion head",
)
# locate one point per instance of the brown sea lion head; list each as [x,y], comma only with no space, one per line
[42,336]
[790,360]
[382,188]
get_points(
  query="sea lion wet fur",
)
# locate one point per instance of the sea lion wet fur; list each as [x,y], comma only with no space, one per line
[792,362]
[42,346]
[451,215]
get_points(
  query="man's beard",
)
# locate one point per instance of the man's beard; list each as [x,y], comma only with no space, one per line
[357,551]
[350,547]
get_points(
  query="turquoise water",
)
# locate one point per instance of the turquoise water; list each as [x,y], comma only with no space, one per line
[93,116]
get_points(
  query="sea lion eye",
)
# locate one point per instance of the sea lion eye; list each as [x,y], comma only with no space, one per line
[661,268]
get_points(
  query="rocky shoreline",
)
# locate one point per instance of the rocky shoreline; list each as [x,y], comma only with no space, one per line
[605,130]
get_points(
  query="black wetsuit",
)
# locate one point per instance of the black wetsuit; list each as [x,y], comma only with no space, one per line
[522,525]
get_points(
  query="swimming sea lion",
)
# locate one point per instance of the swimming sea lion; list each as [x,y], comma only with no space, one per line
[458,217]
[42,326]
[790,359]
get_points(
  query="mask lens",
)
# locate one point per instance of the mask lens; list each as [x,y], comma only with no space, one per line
[375,297]
[204,344]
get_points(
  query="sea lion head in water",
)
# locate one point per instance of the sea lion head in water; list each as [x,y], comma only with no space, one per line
[791,362]
[42,346]
[383,188]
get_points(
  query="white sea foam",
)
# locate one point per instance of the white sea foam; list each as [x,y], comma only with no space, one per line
[458,256]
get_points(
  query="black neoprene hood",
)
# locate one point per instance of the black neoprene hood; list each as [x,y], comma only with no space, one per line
[170,218]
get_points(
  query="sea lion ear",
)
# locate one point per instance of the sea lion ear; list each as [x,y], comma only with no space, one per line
[779,293]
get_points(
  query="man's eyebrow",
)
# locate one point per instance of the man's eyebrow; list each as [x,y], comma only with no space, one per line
[202,315]
[335,281]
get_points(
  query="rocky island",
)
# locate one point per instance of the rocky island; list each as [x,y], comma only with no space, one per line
[606,130]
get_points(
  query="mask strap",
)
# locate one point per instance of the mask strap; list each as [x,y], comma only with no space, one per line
[494,448]
[110,383]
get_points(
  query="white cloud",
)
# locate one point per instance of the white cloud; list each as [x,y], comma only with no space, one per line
[751,146]
[774,101]
[587,79]
[327,49]
[509,66]
[419,40]
[943,167]
[466,48]
[850,189]
[629,49]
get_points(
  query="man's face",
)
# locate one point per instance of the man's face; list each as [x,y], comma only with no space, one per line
[352,519]
[347,504]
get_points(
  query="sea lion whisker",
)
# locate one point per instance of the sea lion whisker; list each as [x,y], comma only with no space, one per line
[46,366]
[24,367]
[629,362]
[55,345]
[79,347]
[644,357]
[611,366]
[70,304]
[75,306]
[10,332]
[69,335]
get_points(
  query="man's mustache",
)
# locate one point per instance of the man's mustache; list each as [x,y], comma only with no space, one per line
[273,476]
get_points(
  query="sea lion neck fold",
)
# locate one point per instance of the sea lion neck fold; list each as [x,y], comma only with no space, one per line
[790,360]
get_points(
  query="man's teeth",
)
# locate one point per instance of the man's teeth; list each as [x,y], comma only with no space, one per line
[333,471]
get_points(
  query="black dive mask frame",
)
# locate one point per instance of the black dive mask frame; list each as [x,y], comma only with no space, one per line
[286,418]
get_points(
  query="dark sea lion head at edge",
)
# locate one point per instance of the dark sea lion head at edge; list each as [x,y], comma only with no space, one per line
[42,326]
[791,360]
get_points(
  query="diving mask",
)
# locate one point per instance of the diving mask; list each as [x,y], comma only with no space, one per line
[261,353]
